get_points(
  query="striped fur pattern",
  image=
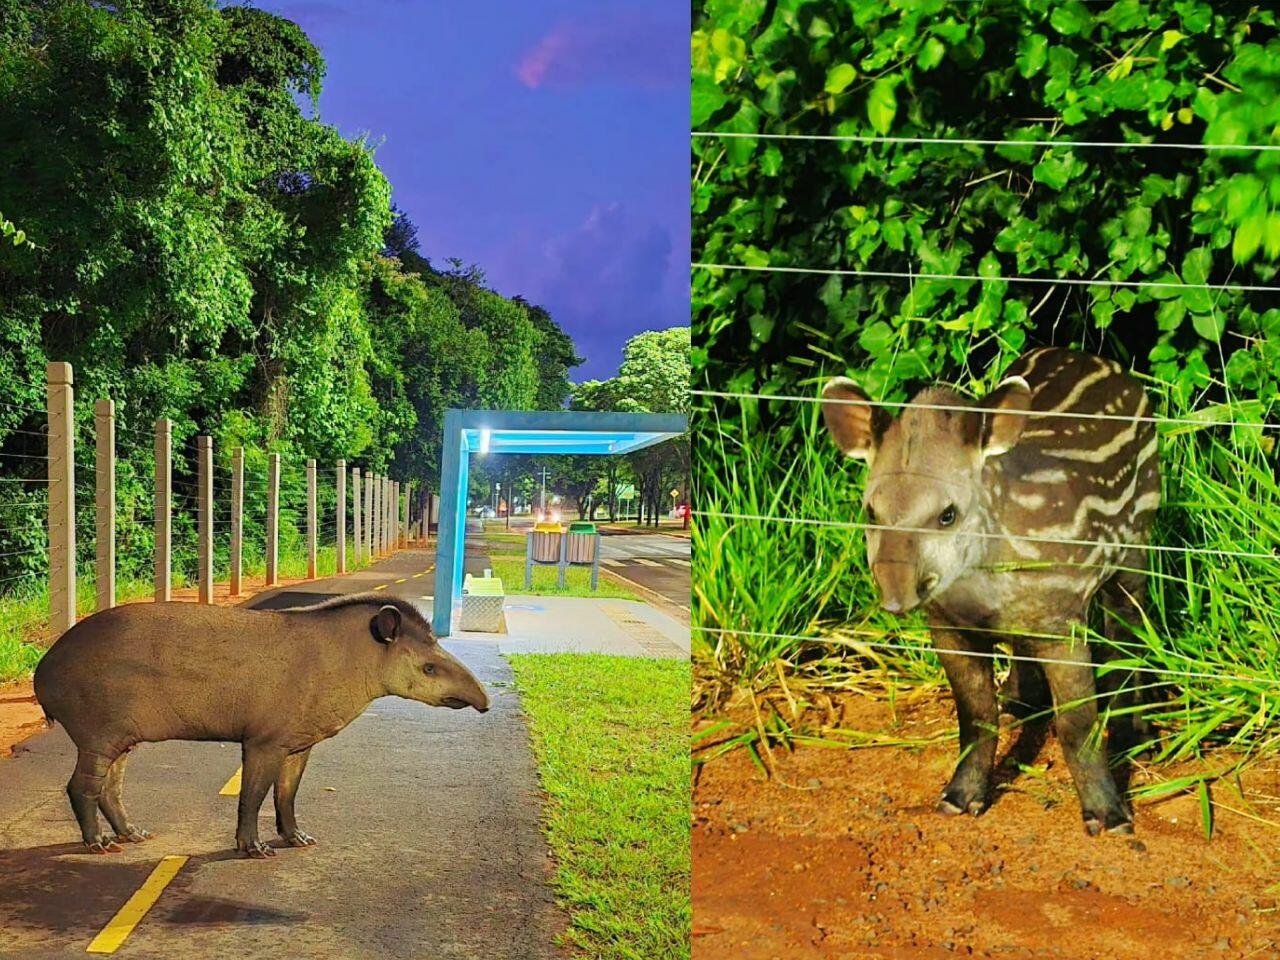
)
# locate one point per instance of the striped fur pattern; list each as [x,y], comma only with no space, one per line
[1020,482]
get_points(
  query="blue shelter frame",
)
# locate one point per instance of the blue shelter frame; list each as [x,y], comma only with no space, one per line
[523,431]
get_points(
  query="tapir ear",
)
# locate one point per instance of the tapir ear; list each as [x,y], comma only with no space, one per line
[1003,419]
[386,624]
[855,426]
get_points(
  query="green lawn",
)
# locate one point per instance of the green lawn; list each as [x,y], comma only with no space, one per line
[611,737]
[577,581]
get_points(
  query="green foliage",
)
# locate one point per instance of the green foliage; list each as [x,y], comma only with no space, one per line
[201,248]
[1170,71]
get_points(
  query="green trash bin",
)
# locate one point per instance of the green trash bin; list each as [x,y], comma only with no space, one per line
[582,526]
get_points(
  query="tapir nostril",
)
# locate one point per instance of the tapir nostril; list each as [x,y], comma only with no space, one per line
[927,584]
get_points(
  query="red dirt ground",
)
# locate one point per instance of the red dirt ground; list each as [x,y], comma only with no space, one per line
[852,862]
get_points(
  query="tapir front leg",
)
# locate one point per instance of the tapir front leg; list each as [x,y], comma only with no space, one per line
[972,680]
[286,789]
[261,768]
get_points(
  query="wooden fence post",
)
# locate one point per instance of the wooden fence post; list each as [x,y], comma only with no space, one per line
[311,518]
[357,531]
[237,519]
[204,477]
[404,516]
[104,425]
[273,517]
[378,492]
[341,519]
[164,510]
[60,407]
[368,517]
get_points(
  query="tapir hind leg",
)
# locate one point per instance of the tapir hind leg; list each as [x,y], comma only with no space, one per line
[112,804]
[85,790]
[286,789]
[260,769]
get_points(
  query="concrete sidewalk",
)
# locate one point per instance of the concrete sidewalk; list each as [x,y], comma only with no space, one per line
[587,625]
[428,825]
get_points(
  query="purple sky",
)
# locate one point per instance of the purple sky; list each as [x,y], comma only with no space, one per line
[545,141]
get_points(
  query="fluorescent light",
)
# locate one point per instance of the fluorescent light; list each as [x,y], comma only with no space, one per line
[484,440]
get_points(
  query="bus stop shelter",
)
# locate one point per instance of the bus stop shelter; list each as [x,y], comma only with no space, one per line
[546,432]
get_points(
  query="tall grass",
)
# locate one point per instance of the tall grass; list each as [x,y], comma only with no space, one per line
[1207,613]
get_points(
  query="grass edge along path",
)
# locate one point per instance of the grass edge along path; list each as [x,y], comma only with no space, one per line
[611,739]
[577,581]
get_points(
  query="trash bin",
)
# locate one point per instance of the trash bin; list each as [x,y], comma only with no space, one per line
[482,600]
[581,547]
[546,544]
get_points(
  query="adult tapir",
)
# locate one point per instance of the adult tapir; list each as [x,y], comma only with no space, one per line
[1002,519]
[276,682]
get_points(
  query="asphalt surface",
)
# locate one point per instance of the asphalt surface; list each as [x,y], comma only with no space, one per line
[427,821]
[656,562]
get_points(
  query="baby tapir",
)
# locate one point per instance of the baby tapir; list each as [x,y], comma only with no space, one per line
[1001,472]
[276,682]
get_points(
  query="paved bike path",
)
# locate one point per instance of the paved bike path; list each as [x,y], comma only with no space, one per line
[427,821]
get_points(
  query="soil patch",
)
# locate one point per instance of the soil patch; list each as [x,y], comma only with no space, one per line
[850,861]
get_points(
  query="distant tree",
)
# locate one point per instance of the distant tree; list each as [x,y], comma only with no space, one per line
[400,239]
[555,356]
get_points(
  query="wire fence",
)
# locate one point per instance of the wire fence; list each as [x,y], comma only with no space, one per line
[200,531]
[1254,416]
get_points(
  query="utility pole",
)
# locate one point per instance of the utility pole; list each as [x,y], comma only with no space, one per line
[544,491]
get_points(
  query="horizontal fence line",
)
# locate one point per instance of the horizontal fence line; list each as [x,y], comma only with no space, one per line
[992,655]
[983,535]
[979,141]
[1044,281]
[960,408]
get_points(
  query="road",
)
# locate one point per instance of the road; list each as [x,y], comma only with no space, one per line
[655,561]
[427,820]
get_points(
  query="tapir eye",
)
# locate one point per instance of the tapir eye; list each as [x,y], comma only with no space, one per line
[430,669]
[948,516]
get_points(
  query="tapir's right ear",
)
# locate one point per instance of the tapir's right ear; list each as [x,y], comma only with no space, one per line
[386,624]
[854,423]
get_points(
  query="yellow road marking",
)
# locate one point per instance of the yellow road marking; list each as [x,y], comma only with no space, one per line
[416,576]
[232,787]
[401,580]
[136,907]
[381,586]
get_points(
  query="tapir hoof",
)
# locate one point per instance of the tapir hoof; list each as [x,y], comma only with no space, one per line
[255,849]
[299,838]
[103,844]
[951,809]
[1116,824]
[135,835]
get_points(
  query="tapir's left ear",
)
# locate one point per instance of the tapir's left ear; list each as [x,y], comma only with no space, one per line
[386,624]
[1004,416]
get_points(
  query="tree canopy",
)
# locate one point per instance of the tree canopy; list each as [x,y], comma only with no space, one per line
[200,245]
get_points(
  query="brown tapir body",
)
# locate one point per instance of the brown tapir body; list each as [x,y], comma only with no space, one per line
[277,682]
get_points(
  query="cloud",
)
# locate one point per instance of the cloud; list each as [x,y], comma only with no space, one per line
[637,49]
[608,280]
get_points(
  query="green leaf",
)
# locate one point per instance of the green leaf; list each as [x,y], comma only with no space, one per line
[1249,236]
[746,120]
[931,54]
[1243,191]
[1033,51]
[1071,18]
[1197,264]
[1209,325]
[1170,39]
[894,232]
[1271,237]
[1052,172]
[877,338]
[882,105]
[704,100]
[839,77]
